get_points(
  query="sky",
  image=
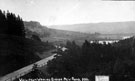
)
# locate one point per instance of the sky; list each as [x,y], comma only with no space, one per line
[60,12]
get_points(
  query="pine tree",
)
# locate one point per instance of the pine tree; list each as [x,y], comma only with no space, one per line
[11,24]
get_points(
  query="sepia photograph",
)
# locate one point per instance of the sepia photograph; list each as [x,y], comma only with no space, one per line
[67,40]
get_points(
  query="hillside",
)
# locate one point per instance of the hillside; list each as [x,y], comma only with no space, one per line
[17,49]
[115,60]
[54,35]
[33,27]
[80,32]
[17,52]
[104,28]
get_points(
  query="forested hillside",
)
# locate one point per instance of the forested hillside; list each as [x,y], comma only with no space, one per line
[116,60]
[17,51]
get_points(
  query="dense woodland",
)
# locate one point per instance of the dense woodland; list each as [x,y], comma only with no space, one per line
[11,24]
[17,51]
[116,60]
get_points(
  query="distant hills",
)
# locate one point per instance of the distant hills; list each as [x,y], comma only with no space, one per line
[54,35]
[104,28]
[80,32]
[34,27]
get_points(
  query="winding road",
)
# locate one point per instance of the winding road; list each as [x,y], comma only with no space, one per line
[25,70]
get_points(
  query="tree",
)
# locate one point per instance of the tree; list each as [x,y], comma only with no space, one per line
[35,37]
[3,23]
[94,59]
[11,24]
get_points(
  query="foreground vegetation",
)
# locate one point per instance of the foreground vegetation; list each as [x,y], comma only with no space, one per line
[116,60]
[16,50]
